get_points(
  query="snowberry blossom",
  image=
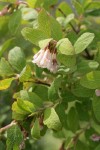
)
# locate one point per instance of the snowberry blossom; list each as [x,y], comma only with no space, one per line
[46,58]
[97,92]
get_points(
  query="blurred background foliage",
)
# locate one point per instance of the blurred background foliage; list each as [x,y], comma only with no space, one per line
[75,17]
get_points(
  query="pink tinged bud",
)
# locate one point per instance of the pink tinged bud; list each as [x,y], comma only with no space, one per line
[97,92]
[95,137]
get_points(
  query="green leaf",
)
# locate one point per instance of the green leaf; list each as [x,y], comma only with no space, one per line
[91,80]
[44,43]
[14,138]
[41,91]
[18,116]
[60,109]
[56,30]
[25,105]
[26,74]
[48,3]
[35,99]
[14,22]
[65,8]
[96,107]
[65,47]
[29,14]
[81,91]
[35,131]
[17,58]
[73,121]
[4,84]
[93,5]
[69,18]
[34,35]
[16,108]
[44,22]
[83,112]
[98,147]
[53,89]
[86,66]
[66,60]
[83,41]
[2,146]
[51,119]
[79,8]
[81,146]
[6,45]
[5,68]
[34,3]
[32,97]
[94,12]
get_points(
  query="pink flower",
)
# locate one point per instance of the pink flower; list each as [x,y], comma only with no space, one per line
[46,59]
[97,92]
[95,137]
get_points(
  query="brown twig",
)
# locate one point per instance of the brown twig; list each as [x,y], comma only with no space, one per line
[42,82]
[11,7]
[76,137]
[62,146]
[7,126]
[77,31]
[74,29]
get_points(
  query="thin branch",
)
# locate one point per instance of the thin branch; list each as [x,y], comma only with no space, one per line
[3,129]
[42,82]
[77,31]
[74,29]
[62,146]
[76,137]
[11,7]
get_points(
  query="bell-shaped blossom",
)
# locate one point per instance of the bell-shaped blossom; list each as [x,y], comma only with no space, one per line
[46,59]
[97,92]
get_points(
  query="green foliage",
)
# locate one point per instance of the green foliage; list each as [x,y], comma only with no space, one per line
[65,47]
[91,80]
[15,22]
[83,41]
[4,84]
[33,35]
[17,58]
[73,121]
[96,106]
[5,68]
[53,89]
[15,138]
[97,148]
[25,75]
[51,119]
[35,131]
[48,27]
[49,75]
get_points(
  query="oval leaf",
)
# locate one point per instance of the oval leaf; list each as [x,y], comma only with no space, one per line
[51,119]
[96,107]
[83,41]
[35,131]
[65,47]
[17,58]
[4,84]
[91,80]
